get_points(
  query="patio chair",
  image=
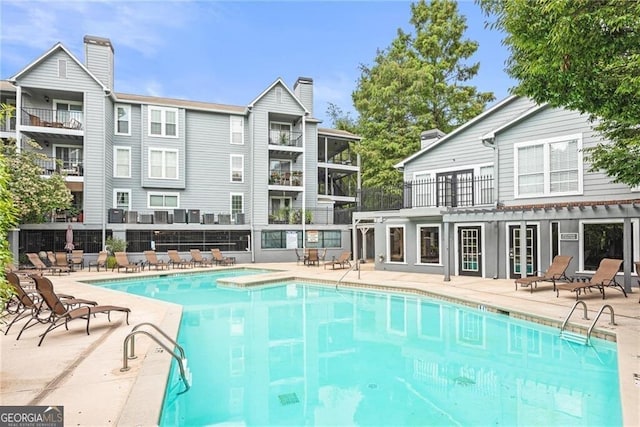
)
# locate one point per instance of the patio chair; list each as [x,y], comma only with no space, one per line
[604,277]
[39,265]
[218,258]
[299,257]
[101,261]
[77,259]
[153,261]
[343,261]
[62,314]
[122,261]
[175,260]
[62,262]
[30,303]
[313,258]
[555,272]
[198,260]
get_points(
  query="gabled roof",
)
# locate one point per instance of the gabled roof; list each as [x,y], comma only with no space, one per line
[7,86]
[531,111]
[338,133]
[57,46]
[174,102]
[271,86]
[457,130]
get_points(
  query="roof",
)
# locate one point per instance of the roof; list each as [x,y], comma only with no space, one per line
[338,133]
[7,86]
[174,102]
[57,46]
[271,86]
[457,130]
[529,112]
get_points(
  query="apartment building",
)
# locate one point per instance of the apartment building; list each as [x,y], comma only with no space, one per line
[504,193]
[254,180]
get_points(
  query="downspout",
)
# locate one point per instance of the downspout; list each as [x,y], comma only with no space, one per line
[304,180]
[104,171]
[18,119]
[491,143]
[251,122]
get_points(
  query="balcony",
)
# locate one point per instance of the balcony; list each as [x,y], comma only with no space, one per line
[449,191]
[52,119]
[286,179]
[285,144]
[50,165]
[318,216]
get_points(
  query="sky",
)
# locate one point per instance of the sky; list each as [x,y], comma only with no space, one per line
[229,52]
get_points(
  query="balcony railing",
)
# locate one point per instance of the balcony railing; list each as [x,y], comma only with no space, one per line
[318,216]
[67,167]
[449,191]
[288,179]
[289,139]
[41,117]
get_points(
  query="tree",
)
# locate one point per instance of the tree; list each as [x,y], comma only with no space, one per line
[7,222]
[416,84]
[341,120]
[33,196]
[582,55]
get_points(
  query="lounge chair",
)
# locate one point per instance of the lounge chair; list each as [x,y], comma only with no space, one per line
[122,261]
[61,314]
[153,261]
[555,272]
[77,259]
[39,265]
[30,304]
[218,258]
[343,261]
[175,260]
[604,277]
[63,261]
[313,258]
[198,260]
[299,257]
[101,261]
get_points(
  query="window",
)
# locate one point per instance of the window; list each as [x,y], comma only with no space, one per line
[277,239]
[122,162]
[123,120]
[605,240]
[237,168]
[280,172]
[163,200]
[237,203]
[429,244]
[163,164]
[69,113]
[163,122]
[62,68]
[70,159]
[122,199]
[237,130]
[280,133]
[395,244]
[550,167]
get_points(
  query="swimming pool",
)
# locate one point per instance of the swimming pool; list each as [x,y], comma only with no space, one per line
[304,354]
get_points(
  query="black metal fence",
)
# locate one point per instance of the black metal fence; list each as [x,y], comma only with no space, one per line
[449,191]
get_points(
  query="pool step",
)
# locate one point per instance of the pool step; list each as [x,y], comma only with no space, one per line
[573,337]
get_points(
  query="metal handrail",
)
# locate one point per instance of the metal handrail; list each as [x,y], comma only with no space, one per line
[355,266]
[593,324]
[571,312]
[180,358]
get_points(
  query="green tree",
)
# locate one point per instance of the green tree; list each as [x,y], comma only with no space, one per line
[7,222]
[582,55]
[341,120]
[418,83]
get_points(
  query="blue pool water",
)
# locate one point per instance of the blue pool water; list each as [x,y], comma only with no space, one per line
[300,354]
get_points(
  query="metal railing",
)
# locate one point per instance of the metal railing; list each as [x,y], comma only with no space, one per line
[67,167]
[43,117]
[288,179]
[311,216]
[286,138]
[456,191]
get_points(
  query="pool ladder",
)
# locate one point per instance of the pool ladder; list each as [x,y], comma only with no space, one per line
[577,338]
[355,266]
[130,344]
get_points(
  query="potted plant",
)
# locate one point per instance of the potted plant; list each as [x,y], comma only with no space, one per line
[274,178]
[296,178]
[114,245]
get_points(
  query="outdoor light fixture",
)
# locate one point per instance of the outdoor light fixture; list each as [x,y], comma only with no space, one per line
[380,258]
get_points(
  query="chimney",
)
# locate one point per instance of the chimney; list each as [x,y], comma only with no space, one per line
[303,90]
[98,54]
[428,137]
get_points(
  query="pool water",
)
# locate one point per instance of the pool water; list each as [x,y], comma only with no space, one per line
[302,354]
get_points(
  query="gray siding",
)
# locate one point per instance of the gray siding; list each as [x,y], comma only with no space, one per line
[97,111]
[45,75]
[99,60]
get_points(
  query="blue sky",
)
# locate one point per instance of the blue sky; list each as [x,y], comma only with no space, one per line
[229,52]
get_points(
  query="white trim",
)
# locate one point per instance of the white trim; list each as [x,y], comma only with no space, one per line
[115,197]
[404,242]
[164,163]
[164,195]
[636,238]
[126,107]
[456,249]
[117,148]
[418,246]
[163,121]
[231,120]
[546,166]
[271,86]
[231,169]
[506,243]
[231,195]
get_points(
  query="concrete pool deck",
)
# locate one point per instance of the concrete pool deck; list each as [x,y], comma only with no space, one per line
[82,372]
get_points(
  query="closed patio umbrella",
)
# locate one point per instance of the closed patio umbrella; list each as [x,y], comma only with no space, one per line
[69,246]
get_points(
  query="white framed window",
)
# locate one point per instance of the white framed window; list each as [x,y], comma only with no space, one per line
[122,198]
[163,200]
[62,68]
[163,163]
[237,203]
[122,162]
[237,167]
[163,122]
[122,122]
[551,167]
[237,130]
[68,112]
[429,244]
[396,244]
[280,133]
[70,159]
[605,239]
